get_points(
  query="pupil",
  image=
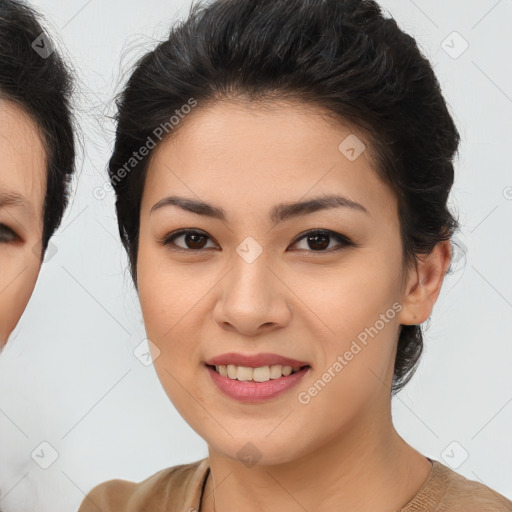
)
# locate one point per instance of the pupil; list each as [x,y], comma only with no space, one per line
[195,244]
[319,245]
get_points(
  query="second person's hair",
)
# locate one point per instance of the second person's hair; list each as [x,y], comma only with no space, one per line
[41,85]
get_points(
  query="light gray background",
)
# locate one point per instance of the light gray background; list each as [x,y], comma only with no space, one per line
[69,376]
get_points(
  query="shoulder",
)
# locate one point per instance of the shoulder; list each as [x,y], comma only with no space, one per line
[176,485]
[448,491]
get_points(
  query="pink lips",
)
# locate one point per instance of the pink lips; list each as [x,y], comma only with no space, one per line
[250,391]
[255,361]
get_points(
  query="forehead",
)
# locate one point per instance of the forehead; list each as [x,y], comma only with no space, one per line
[243,154]
[22,160]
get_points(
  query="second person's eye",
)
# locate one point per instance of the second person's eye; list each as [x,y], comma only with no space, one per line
[7,235]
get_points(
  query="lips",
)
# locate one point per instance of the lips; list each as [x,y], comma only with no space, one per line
[248,387]
[255,361]
[255,392]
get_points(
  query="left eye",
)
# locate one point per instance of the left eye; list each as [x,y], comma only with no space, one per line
[7,235]
[318,240]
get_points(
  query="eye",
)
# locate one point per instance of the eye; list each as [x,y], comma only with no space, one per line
[319,240]
[7,235]
[195,240]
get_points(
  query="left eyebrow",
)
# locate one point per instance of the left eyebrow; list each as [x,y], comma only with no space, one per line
[278,213]
[285,211]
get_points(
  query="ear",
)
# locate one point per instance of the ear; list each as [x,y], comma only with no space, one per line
[424,284]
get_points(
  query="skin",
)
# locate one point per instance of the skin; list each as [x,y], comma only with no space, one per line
[292,300]
[22,190]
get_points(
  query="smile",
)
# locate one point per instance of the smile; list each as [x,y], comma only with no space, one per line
[248,384]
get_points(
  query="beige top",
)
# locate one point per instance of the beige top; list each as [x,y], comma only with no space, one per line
[180,489]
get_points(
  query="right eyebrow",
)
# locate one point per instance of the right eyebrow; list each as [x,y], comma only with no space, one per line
[8,198]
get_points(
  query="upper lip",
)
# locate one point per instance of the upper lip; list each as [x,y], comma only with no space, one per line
[255,360]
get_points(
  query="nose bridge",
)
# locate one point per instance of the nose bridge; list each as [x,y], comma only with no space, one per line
[250,276]
[250,297]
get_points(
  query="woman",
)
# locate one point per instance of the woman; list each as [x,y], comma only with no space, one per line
[37,153]
[282,169]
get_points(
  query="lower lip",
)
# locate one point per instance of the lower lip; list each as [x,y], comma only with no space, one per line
[249,391]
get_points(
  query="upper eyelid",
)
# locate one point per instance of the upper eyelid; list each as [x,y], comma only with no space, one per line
[8,228]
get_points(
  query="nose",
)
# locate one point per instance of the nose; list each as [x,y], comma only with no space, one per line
[253,299]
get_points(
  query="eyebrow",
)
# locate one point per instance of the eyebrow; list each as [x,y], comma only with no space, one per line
[278,213]
[14,199]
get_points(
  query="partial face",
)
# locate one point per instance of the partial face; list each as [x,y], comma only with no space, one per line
[301,283]
[22,190]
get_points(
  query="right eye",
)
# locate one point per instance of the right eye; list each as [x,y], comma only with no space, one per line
[7,235]
[190,236]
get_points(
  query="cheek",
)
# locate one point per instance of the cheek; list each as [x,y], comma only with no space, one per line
[356,365]
[164,297]
[360,307]
[354,298]
[170,296]
[170,291]
[18,276]
[167,294]
[172,327]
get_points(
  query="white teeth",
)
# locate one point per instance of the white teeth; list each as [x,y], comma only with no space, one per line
[275,371]
[261,374]
[286,370]
[244,373]
[231,371]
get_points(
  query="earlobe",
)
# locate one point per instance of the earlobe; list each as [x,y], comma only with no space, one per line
[424,284]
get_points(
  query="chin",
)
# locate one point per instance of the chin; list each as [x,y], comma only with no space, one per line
[258,449]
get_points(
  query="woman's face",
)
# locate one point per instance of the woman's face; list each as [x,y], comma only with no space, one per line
[22,190]
[255,283]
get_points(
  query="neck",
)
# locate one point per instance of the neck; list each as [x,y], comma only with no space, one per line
[366,468]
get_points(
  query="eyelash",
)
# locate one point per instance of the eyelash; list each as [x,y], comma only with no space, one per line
[10,233]
[342,239]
